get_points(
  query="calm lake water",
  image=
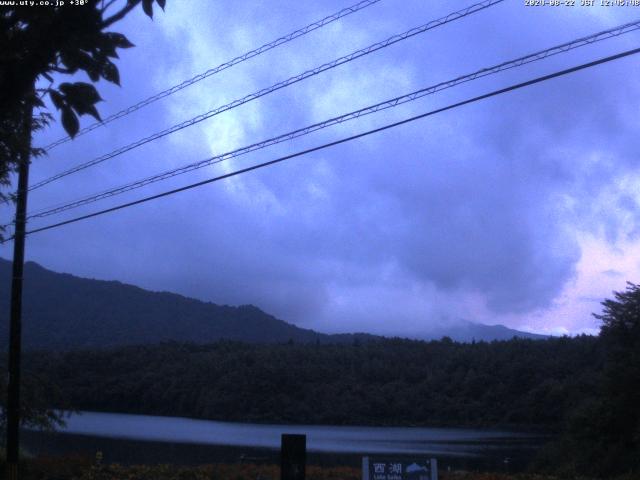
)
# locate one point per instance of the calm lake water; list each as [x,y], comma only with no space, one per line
[118,434]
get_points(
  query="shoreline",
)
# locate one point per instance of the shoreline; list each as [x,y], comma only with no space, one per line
[132,452]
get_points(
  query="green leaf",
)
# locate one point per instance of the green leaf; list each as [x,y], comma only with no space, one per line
[83,109]
[88,92]
[69,61]
[66,88]
[118,40]
[85,60]
[147,6]
[56,98]
[110,73]
[93,111]
[90,65]
[80,92]
[93,74]
[70,121]
[108,48]
[82,97]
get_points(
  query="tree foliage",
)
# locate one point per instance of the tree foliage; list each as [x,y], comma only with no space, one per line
[531,383]
[603,433]
[37,393]
[620,403]
[39,43]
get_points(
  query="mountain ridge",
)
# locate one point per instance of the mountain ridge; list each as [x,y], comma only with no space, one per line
[62,311]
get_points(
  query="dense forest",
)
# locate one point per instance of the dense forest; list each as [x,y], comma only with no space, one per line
[390,382]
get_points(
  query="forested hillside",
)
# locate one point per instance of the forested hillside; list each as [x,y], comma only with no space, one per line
[392,382]
[62,311]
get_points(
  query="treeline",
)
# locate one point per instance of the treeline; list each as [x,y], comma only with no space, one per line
[523,383]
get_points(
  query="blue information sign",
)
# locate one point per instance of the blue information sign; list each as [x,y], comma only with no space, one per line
[388,468]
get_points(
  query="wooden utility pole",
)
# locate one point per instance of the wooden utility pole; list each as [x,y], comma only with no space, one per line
[15,328]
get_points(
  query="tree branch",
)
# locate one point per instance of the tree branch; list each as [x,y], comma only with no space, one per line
[60,70]
[104,7]
[120,15]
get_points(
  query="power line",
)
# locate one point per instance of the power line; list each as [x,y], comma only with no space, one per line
[265,91]
[223,66]
[533,57]
[343,140]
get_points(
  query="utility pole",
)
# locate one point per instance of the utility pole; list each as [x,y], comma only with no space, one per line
[15,329]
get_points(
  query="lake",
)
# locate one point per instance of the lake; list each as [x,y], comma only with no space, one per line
[152,439]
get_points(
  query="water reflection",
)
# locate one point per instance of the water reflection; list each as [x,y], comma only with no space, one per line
[334,439]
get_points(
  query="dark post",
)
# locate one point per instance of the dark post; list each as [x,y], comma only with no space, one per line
[293,457]
[15,329]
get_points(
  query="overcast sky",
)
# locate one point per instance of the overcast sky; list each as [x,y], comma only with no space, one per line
[521,209]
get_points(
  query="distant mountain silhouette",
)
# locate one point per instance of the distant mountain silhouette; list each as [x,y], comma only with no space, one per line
[62,311]
[465,331]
